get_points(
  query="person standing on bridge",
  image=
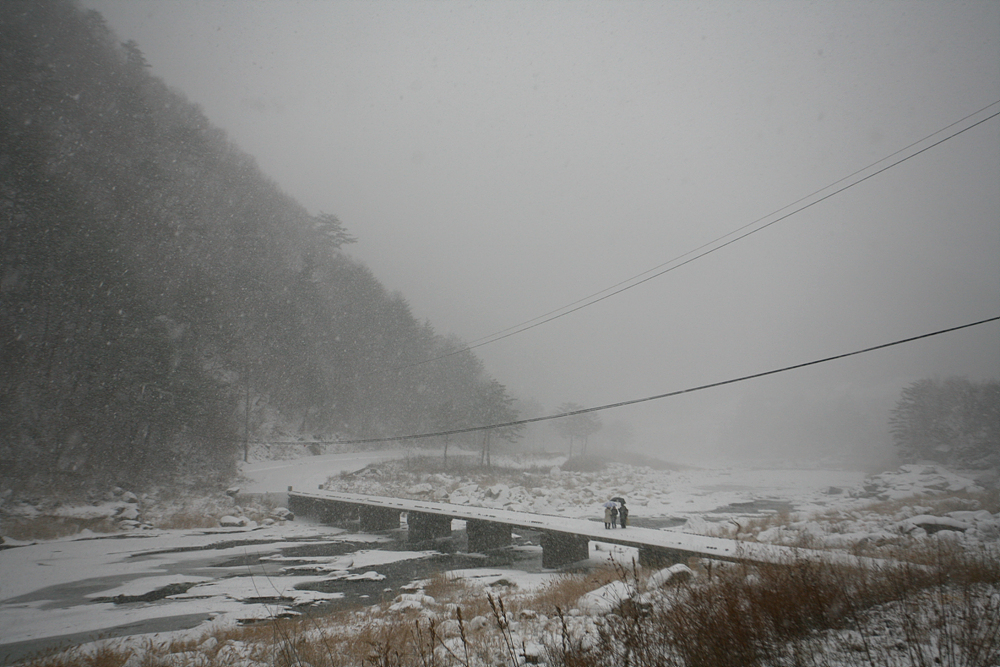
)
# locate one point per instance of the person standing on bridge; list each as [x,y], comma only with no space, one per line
[614,515]
[622,510]
[607,514]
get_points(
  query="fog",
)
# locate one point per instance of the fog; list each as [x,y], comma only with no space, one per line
[498,161]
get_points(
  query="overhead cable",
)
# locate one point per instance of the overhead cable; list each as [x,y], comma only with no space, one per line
[711,246]
[655,397]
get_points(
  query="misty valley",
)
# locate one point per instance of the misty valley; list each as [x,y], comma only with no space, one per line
[225,439]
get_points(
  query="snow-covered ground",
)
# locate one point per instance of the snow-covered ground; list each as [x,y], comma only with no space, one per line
[191,580]
[307,472]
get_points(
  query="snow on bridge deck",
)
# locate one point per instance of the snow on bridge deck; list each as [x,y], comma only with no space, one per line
[564,540]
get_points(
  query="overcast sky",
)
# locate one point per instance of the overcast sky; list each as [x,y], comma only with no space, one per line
[499,160]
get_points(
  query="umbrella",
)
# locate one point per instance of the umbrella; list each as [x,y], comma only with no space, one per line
[618,499]
[610,503]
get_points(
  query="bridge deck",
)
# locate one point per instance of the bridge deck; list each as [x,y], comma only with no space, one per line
[663,541]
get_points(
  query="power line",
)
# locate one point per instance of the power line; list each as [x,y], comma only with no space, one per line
[750,224]
[655,397]
[709,247]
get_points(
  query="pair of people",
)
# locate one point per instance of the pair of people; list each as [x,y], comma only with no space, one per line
[615,512]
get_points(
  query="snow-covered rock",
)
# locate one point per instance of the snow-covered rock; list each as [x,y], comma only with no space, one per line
[449,628]
[282,513]
[411,601]
[972,516]
[605,599]
[230,521]
[128,513]
[932,524]
[498,492]
[915,480]
[697,525]
[533,653]
[478,623]
[675,573]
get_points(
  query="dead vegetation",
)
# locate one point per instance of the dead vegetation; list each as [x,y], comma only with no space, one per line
[940,605]
[941,609]
[29,529]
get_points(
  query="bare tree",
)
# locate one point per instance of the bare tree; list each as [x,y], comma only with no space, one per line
[582,425]
[494,406]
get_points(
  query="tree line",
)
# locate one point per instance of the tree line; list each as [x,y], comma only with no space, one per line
[162,300]
[953,421]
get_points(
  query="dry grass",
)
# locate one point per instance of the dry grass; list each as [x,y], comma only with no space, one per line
[443,586]
[102,656]
[564,591]
[781,615]
[53,527]
[942,606]
[786,615]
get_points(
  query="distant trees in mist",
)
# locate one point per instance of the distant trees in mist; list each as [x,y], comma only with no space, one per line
[577,427]
[155,285]
[953,421]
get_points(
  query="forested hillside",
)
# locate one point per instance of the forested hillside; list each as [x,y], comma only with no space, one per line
[155,282]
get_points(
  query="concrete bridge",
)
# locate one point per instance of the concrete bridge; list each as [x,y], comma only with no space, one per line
[563,540]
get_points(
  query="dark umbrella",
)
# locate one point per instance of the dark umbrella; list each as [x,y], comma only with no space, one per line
[618,499]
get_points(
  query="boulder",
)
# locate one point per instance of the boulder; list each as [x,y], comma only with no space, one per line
[232,521]
[282,513]
[606,599]
[675,573]
[932,524]
[128,513]
[533,652]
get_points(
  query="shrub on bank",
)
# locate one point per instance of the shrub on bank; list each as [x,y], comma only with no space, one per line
[944,610]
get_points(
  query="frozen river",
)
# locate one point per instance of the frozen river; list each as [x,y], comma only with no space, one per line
[84,589]
[63,592]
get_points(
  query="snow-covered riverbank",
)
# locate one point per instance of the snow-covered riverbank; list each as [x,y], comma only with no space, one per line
[211,577]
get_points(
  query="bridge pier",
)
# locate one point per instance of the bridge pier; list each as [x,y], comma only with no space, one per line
[560,549]
[424,526]
[660,557]
[338,514]
[487,535]
[373,519]
[325,511]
